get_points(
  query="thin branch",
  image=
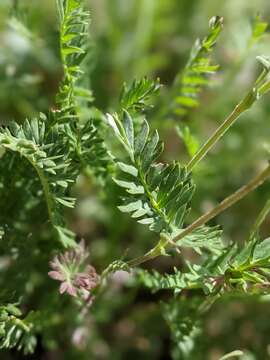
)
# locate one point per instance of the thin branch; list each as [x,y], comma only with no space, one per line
[260,87]
[166,242]
[243,106]
[226,203]
[260,219]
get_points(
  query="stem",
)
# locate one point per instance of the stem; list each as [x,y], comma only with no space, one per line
[225,204]
[158,250]
[260,219]
[142,259]
[244,105]
[46,189]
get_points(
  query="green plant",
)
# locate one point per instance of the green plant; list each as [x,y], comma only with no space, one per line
[44,159]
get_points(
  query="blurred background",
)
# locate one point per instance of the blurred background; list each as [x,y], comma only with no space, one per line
[128,40]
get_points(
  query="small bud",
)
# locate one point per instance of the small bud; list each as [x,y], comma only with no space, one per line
[215,21]
[265,61]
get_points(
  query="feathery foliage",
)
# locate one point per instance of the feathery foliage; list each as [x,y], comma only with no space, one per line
[185,326]
[50,163]
[41,161]
[16,332]
[204,237]
[190,82]
[74,22]
[158,194]
[87,148]
[137,95]
[84,139]
[244,270]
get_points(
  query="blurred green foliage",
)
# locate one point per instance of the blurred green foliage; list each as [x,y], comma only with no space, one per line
[128,40]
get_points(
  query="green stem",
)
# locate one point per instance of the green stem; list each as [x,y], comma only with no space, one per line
[243,106]
[260,219]
[46,189]
[152,254]
[158,250]
[225,204]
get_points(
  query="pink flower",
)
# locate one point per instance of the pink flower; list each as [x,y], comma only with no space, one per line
[56,275]
[67,287]
[77,278]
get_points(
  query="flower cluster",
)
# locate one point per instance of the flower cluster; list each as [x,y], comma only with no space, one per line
[77,277]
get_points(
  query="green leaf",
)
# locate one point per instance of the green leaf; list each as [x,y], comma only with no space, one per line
[235,353]
[160,193]
[128,127]
[141,138]
[66,236]
[112,123]
[190,141]
[245,255]
[48,161]
[15,331]
[73,28]
[259,28]
[261,251]
[131,187]
[190,82]
[204,238]
[128,169]
[182,316]
[133,206]
[138,94]
[148,154]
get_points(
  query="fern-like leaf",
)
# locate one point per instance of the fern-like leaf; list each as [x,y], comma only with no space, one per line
[157,194]
[189,84]
[88,148]
[204,237]
[184,322]
[49,159]
[176,282]
[138,94]
[74,22]
[236,270]
[85,140]
[16,332]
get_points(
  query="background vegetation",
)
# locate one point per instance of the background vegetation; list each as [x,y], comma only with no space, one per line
[128,40]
